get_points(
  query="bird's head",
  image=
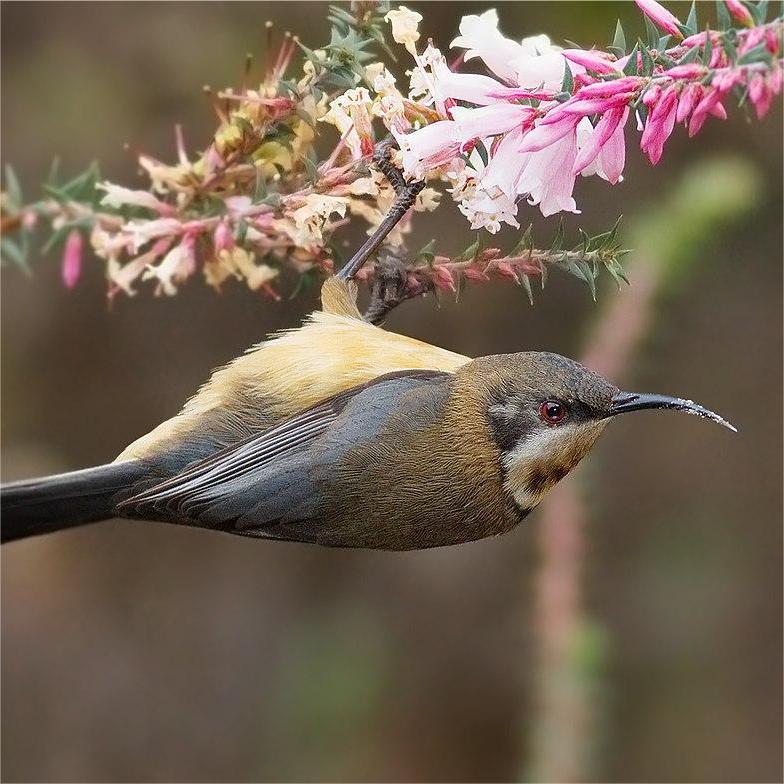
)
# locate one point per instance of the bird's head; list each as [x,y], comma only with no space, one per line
[546,412]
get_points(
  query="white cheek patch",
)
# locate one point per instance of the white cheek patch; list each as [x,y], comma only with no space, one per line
[541,459]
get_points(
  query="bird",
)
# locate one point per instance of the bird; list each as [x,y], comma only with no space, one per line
[344,434]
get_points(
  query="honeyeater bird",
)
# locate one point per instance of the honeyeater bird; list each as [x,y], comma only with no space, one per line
[341,433]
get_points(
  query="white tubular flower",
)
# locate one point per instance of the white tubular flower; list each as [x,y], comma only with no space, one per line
[404,23]
[392,111]
[419,86]
[481,37]
[118,197]
[489,211]
[541,64]
[380,79]
[463,184]
[141,232]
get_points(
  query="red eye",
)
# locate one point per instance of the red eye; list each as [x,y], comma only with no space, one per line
[553,412]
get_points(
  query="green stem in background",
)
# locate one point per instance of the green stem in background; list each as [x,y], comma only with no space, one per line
[570,646]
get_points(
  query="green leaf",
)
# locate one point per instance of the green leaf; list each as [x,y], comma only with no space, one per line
[567,84]
[691,22]
[311,169]
[723,15]
[426,252]
[12,253]
[13,188]
[54,171]
[759,53]
[707,48]
[652,33]
[260,188]
[729,48]
[647,61]
[472,251]
[559,238]
[525,244]
[482,150]
[57,237]
[526,284]
[80,188]
[760,12]
[691,55]
[619,39]
[241,231]
[630,69]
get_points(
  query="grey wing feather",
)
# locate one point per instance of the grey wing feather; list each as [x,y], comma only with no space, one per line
[270,477]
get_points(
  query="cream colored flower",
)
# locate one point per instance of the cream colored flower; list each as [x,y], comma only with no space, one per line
[174,269]
[364,186]
[350,114]
[427,200]
[240,263]
[311,217]
[380,79]
[404,27]
[164,178]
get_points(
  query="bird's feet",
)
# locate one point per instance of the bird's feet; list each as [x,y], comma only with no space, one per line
[391,285]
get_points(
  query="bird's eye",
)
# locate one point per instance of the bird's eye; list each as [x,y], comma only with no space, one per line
[553,412]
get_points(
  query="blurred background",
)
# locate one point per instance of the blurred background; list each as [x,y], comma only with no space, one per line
[134,651]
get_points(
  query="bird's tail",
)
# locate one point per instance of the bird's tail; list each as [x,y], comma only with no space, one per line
[38,506]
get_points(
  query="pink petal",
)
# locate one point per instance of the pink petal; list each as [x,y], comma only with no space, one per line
[72,259]
[739,11]
[606,89]
[597,61]
[612,158]
[660,16]
[687,71]
[544,135]
[604,129]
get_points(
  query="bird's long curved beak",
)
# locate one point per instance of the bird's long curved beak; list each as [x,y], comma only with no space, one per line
[624,402]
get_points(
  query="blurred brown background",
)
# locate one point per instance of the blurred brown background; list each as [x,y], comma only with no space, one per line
[137,651]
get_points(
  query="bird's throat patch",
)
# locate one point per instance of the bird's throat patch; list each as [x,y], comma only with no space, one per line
[540,460]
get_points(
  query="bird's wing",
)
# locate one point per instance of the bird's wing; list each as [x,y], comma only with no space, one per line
[270,470]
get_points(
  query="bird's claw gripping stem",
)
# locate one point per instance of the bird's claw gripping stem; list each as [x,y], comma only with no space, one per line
[390,285]
[406,194]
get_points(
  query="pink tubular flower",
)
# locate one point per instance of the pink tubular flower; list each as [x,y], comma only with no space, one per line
[739,11]
[489,120]
[762,90]
[659,125]
[443,278]
[506,270]
[438,143]
[223,239]
[687,71]
[702,110]
[428,147]
[592,59]
[548,179]
[660,16]
[610,122]
[689,97]
[474,88]
[626,84]
[72,259]
[548,133]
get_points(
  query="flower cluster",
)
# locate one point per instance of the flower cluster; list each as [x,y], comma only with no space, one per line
[257,201]
[546,115]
